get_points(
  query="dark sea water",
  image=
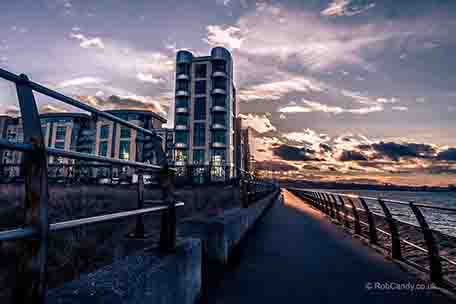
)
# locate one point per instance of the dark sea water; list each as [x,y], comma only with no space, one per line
[444,221]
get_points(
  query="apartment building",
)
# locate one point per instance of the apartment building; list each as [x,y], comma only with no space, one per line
[205,112]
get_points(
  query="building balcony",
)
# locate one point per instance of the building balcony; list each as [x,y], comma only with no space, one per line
[183,76]
[218,109]
[182,110]
[218,91]
[182,93]
[218,145]
[217,126]
[181,127]
[220,74]
[180,146]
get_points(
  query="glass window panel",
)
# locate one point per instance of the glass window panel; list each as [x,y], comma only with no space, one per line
[219,118]
[198,156]
[219,66]
[103,149]
[182,137]
[199,134]
[124,151]
[200,87]
[200,108]
[60,133]
[125,132]
[220,83]
[219,137]
[200,70]
[219,100]
[181,102]
[181,120]
[104,132]
[183,68]
[182,85]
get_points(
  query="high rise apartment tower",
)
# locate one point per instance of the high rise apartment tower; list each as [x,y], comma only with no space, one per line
[205,112]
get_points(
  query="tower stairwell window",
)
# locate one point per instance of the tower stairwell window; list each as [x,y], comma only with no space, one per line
[200,87]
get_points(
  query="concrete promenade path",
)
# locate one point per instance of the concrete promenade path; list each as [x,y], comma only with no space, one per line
[295,255]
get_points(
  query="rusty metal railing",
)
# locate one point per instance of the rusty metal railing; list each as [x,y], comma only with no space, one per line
[342,208]
[33,237]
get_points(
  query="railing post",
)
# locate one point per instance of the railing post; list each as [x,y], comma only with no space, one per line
[357,225]
[333,198]
[320,202]
[370,219]
[395,238]
[331,206]
[139,228]
[168,221]
[31,278]
[344,211]
[325,204]
[433,250]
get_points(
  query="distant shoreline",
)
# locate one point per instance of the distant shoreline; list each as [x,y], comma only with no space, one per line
[353,186]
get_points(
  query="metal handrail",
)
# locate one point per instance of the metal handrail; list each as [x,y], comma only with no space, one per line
[22,233]
[320,199]
[398,202]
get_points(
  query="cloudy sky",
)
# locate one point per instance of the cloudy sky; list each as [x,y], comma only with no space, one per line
[360,90]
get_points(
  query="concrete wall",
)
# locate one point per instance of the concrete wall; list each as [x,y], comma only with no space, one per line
[144,278]
[221,234]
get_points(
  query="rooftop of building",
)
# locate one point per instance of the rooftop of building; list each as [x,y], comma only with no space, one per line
[135,111]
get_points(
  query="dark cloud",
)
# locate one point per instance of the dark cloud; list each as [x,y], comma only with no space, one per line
[274,166]
[291,153]
[448,155]
[396,151]
[348,155]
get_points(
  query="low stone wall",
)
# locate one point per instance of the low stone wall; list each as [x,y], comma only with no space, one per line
[147,277]
[221,234]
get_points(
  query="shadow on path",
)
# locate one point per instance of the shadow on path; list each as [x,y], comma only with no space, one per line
[294,255]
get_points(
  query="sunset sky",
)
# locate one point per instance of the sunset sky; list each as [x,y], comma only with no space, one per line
[360,90]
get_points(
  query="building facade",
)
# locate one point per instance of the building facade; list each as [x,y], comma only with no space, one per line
[205,112]
[85,133]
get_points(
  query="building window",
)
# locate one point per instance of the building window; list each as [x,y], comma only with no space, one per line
[219,66]
[125,132]
[199,134]
[59,145]
[220,83]
[181,120]
[219,137]
[200,108]
[104,132]
[200,71]
[181,155]
[198,156]
[218,156]
[183,68]
[60,133]
[182,137]
[182,102]
[219,118]
[103,149]
[219,100]
[124,150]
[182,85]
[200,87]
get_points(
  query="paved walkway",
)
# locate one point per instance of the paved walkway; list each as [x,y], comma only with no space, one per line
[294,255]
